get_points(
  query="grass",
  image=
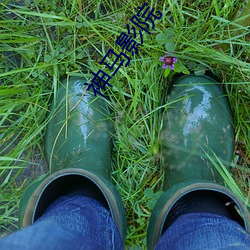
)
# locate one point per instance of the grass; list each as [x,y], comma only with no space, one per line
[46,41]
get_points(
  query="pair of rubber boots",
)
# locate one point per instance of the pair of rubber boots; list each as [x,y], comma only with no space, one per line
[197,128]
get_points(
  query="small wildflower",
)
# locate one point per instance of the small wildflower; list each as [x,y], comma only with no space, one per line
[169,61]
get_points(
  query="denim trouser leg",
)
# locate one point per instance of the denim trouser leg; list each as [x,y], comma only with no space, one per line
[82,223]
[204,231]
[76,222]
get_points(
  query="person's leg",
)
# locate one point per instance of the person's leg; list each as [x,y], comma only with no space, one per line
[197,136]
[78,150]
[204,231]
[71,222]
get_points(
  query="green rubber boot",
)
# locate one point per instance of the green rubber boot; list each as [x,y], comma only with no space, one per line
[198,122]
[78,149]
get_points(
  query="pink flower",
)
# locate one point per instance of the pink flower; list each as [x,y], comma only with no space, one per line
[168,61]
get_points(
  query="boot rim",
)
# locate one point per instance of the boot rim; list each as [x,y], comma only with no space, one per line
[107,189]
[164,205]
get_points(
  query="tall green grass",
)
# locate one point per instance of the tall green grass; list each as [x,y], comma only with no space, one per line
[43,42]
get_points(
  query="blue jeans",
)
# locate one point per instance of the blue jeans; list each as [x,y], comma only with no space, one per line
[204,231]
[80,222]
[70,223]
